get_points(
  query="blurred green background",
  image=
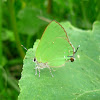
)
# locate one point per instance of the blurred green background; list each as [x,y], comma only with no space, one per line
[23,21]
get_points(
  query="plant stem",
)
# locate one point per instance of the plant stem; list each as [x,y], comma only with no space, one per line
[14,26]
[49,8]
[84,15]
[72,12]
[12,82]
[0,32]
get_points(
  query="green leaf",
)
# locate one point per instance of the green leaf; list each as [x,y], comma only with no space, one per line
[79,80]
[7,35]
[29,22]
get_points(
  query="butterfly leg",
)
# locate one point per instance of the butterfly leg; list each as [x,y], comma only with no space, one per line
[53,69]
[36,71]
[50,72]
[36,67]
[39,71]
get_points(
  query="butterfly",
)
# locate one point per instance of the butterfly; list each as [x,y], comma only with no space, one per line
[54,48]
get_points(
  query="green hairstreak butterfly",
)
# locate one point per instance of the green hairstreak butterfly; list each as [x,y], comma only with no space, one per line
[54,48]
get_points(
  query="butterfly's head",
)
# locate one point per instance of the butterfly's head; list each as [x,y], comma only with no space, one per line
[34,59]
[72,59]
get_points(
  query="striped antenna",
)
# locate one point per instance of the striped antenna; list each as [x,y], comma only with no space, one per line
[24,47]
[74,52]
[76,49]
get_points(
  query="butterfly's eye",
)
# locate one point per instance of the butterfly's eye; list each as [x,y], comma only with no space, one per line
[71,59]
[34,60]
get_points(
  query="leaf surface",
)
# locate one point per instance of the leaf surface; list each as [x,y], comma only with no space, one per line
[79,80]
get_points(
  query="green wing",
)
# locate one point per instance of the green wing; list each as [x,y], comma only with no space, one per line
[54,47]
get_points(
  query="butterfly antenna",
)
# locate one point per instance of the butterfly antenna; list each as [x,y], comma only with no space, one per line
[24,47]
[76,49]
[74,52]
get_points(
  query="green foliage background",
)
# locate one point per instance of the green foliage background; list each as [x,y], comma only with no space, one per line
[23,21]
